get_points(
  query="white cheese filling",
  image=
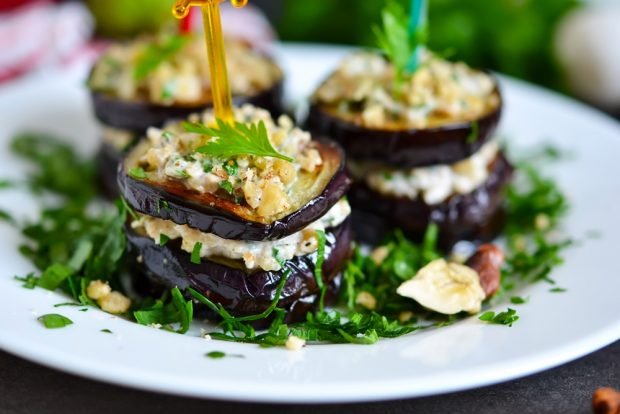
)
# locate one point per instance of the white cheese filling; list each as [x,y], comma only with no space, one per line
[436,183]
[255,254]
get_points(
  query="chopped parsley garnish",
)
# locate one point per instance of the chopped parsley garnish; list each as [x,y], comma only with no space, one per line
[163,239]
[30,281]
[163,205]
[6,216]
[318,267]
[557,290]
[220,355]
[157,53]
[106,331]
[226,186]
[518,300]
[69,243]
[169,310]
[234,140]
[207,166]
[474,134]
[54,321]
[57,168]
[231,167]
[508,317]
[137,173]
[216,354]
[168,90]
[195,257]
[58,305]
[54,275]
[397,41]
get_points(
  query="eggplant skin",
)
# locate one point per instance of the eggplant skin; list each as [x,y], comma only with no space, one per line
[137,116]
[477,216]
[240,291]
[405,148]
[209,214]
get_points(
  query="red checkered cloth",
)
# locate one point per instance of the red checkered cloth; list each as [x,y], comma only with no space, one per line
[41,33]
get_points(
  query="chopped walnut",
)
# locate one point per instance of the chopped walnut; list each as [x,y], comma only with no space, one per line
[108,300]
[606,401]
[294,343]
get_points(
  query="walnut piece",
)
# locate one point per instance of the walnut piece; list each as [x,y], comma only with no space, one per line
[606,401]
[487,261]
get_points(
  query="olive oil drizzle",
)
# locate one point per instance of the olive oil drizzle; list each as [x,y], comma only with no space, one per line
[222,98]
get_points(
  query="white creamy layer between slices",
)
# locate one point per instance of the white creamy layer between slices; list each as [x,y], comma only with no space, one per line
[254,254]
[436,183]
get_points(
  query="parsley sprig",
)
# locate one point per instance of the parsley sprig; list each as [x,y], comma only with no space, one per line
[234,140]
[398,42]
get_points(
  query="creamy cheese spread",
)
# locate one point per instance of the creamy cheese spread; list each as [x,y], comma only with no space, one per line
[254,254]
[433,184]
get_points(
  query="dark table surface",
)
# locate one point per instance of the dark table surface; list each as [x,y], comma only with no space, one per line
[29,388]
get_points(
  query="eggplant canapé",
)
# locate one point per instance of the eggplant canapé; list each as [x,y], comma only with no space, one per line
[152,80]
[232,227]
[421,149]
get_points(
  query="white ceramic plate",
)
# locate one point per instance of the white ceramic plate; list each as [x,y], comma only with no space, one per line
[553,329]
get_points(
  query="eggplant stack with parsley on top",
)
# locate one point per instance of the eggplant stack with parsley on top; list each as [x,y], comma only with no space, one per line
[420,146]
[151,80]
[246,214]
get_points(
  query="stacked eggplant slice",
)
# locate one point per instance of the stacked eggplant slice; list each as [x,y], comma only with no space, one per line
[420,149]
[241,229]
[152,80]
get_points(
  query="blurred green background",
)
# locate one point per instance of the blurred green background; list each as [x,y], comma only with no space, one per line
[510,36]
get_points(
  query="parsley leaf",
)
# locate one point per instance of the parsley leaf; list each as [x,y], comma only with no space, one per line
[163,239]
[195,257]
[216,354]
[397,42]
[517,300]
[57,167]
[226,186]
[220,355]
[235,140]
[318,267]
[474,134]
[54,321]
[137,172]
[157,53]
[176,311]
[508,317]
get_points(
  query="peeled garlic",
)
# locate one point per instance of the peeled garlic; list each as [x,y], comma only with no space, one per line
[443,287]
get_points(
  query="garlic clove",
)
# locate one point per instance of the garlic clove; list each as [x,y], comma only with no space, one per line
[447,288]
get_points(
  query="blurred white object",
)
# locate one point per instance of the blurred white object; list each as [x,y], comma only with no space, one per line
[248,23]
[42,34]
[587,45]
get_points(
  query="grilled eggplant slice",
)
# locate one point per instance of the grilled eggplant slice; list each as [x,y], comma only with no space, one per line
[312,196]
[137,115]
[474,216]
[405,148]
[240,291]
